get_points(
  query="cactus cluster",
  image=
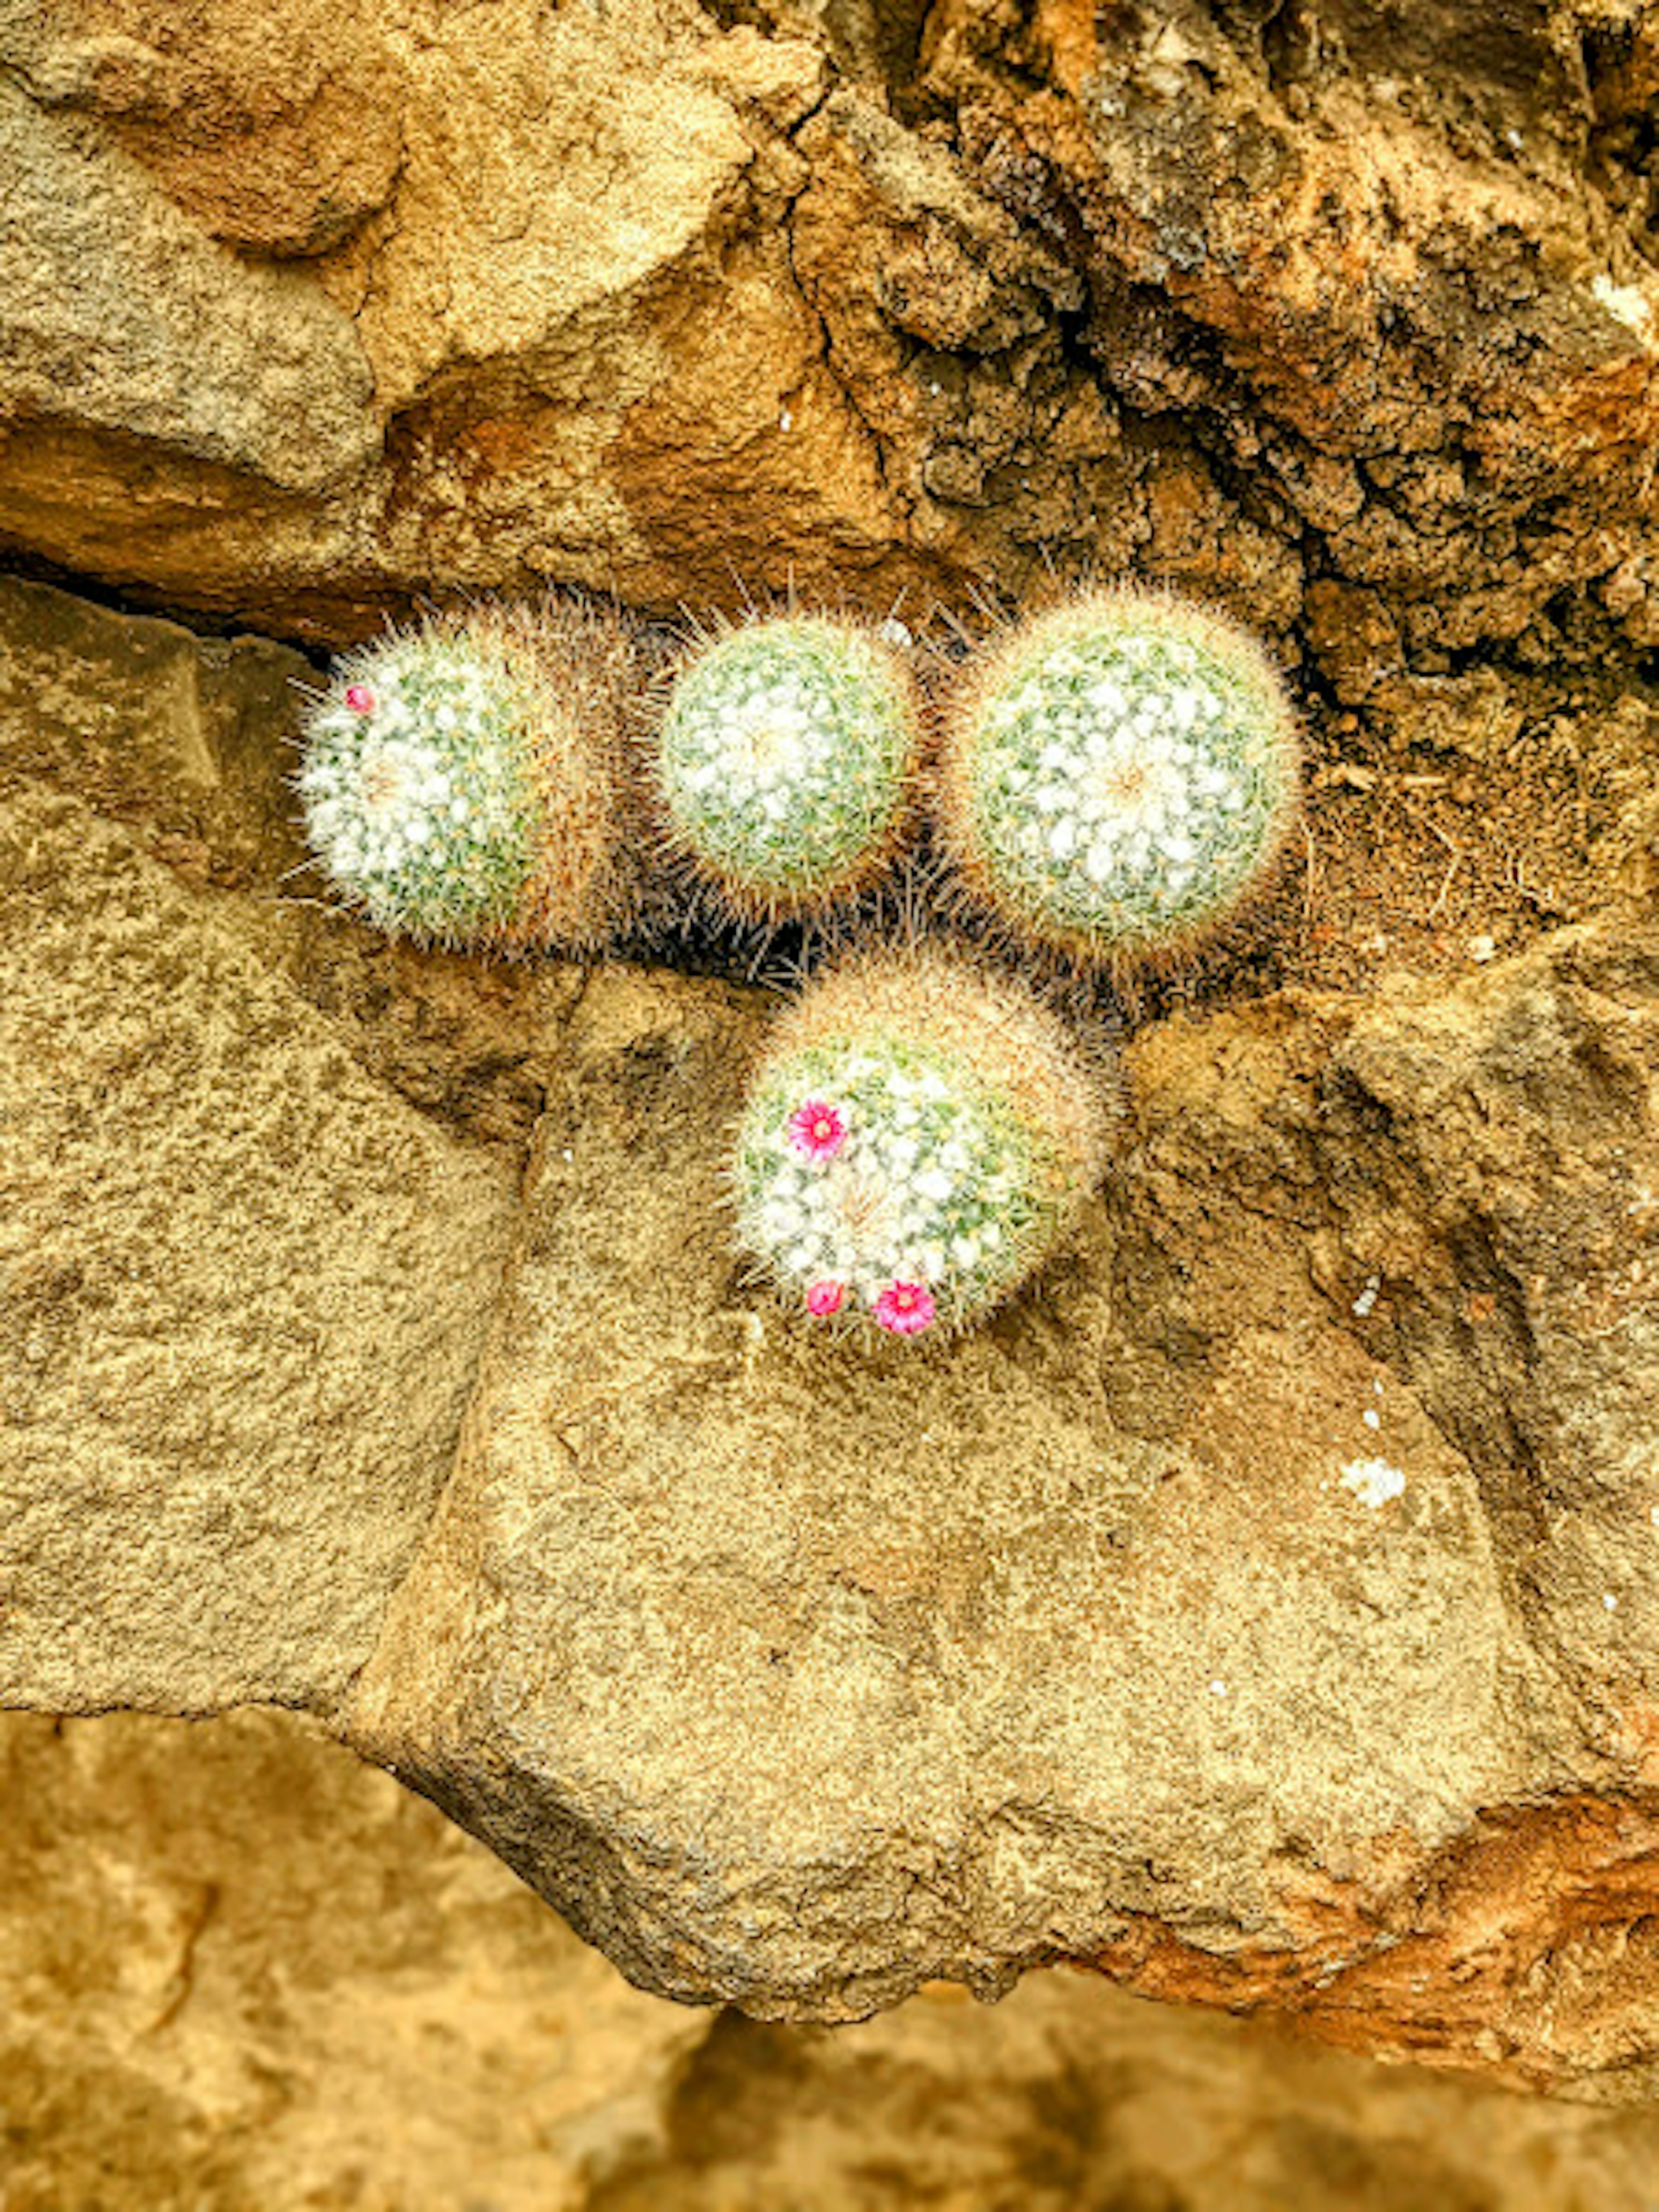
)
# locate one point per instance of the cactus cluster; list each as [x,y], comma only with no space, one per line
[1119,777]
[784,764]
[1113,782]
[915,1143]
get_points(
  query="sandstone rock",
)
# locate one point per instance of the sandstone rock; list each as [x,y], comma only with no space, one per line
[1261,1609]
[1357,300]
[242,1969]
[242,1296]
[1315,252]
[1208,1614]
[146,373]
[1068,2095]
[185,741]
[278,134]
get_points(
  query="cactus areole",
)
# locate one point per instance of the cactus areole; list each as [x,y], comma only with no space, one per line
[1119,776]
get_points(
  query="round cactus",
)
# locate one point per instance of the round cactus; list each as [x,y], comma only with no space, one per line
[1119,777]
[785,762]
[460,780]
[915,1141]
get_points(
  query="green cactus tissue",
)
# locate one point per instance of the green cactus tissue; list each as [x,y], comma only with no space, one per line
[785,763]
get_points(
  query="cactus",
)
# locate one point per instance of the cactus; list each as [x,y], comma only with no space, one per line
[785,762]
[915,1140]
[460,780]
[1119,778]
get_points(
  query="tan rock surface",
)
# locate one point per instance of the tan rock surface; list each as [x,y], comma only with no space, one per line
[242,1290]
[1265,1610]
[278,133]
[241,1969]
[1069,2095]
[242,1300]
[1196,1615]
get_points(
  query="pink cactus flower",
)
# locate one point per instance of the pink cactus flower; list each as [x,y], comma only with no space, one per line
[906,1309]
[360,698]
[817,1130]
[825,1297]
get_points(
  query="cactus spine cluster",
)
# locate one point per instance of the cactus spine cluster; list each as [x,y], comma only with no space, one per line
[785,762]
[1119,777]
[461,781]
[915,1140]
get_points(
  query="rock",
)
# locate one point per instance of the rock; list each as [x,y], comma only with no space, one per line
[242,1299]
[184,741]
[1068,2094]
[1232,1614]
[940,312]
[1270,1596]
[278,138]
[865,301]
[242,1969]
[127,333]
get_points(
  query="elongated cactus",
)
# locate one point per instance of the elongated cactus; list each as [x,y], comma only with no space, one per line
[785,763]
[916,1140]
[461,781]
[1119,777]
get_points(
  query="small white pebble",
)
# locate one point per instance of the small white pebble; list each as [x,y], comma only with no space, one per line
[567,1154]
[1218,1689]
[1654,1516]
[1483,948]
[1610,1602]
[1624,302]
[1367,1298]
[1373,1481]
[785,419]
[1372,1418]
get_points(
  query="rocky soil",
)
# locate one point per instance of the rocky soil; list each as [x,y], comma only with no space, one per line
[1263,1610]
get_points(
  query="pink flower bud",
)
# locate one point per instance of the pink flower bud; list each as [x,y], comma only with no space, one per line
[825,1297]
[360,699]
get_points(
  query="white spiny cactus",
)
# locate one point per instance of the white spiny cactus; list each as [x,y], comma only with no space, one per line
[915,1142]
[458,781]
[1118,776]
[785,762]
